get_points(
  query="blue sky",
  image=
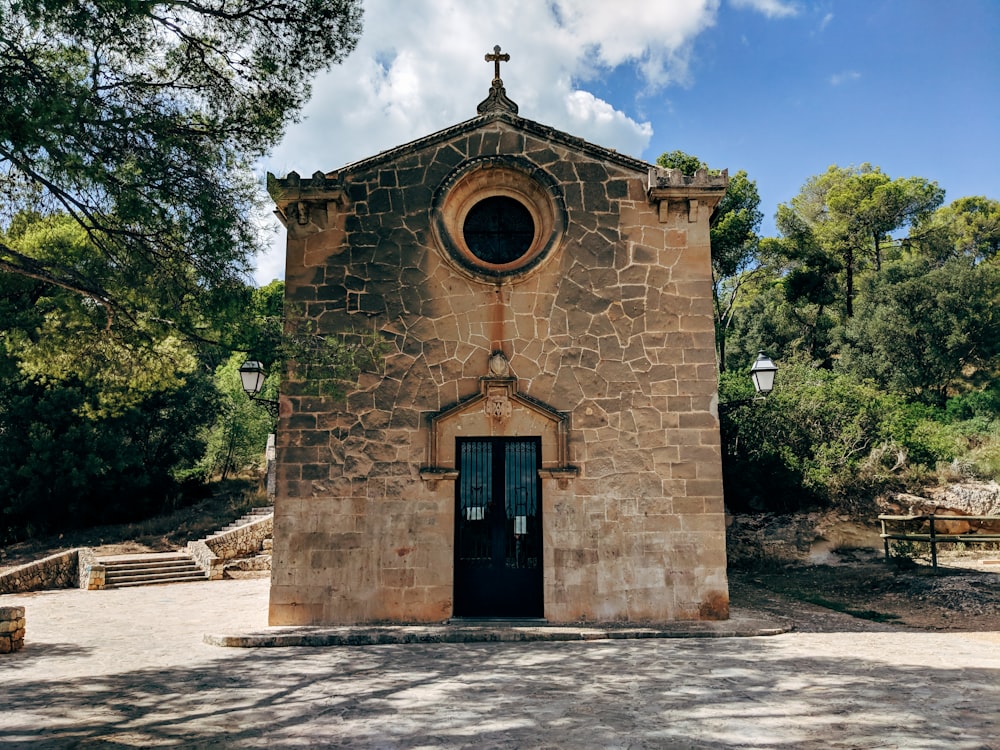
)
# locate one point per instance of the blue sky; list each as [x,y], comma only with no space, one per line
[780,88]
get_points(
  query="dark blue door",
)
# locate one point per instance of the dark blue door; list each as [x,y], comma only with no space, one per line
[498,528]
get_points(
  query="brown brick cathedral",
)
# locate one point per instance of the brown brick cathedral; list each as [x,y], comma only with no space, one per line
[542,439]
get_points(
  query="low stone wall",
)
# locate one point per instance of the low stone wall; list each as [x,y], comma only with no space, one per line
[206,559]
[212,552]
[59,571]
[12,624]
[91,571]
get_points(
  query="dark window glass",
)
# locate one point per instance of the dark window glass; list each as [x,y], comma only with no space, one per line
[499,230]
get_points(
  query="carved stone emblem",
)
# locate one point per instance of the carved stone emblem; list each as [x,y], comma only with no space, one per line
[498,406]
[499,367]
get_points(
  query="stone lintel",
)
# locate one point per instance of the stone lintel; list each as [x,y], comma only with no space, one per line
[497,410]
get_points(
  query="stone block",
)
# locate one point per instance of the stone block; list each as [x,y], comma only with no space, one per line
[12,629]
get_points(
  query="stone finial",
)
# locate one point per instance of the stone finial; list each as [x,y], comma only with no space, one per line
[497,100]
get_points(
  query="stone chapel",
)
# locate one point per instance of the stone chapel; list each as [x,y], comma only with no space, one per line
[541,439]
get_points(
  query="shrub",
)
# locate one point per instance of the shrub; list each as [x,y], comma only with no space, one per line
[819,438]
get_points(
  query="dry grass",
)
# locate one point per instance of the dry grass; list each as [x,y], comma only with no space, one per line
[227,502]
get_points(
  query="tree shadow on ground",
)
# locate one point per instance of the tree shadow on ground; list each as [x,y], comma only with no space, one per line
[758,692]
[40,652]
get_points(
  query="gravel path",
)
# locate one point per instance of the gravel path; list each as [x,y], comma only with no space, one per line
[129,668]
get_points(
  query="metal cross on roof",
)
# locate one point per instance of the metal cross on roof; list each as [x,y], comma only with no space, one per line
[496,58]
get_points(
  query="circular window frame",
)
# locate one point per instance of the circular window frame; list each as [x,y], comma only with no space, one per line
[510,177]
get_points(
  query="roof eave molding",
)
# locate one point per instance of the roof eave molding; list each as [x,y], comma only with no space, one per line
[703,189]
[303,201]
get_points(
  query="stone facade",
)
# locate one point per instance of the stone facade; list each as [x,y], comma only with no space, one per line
[597,341]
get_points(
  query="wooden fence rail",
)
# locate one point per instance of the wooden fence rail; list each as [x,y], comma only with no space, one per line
[895,527]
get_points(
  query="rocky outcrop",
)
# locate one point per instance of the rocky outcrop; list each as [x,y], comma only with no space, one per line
[966,499]
[813,537]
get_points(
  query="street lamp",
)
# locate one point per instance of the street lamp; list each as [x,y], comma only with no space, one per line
[252,374]
[762,372]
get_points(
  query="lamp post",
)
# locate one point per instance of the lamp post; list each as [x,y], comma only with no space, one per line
[252,374]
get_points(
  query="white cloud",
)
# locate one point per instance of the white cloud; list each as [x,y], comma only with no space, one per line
[839,79]
[770,8]
[420,67]
[602,119]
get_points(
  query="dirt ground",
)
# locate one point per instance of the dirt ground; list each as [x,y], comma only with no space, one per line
[964,595]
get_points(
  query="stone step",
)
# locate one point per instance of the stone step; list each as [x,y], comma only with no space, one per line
[132,570]
[254,515]
[149,569]
[126,565]
[156,581]
[257,562]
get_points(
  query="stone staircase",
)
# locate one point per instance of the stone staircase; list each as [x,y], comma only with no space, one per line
[123,571]
[242,549]
[254,515]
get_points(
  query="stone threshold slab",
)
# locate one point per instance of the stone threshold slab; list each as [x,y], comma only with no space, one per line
[375,635]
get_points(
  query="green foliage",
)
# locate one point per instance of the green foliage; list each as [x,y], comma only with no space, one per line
[142,121]
[926,331]
[819,438]
[57,336]
[236,441]
[97,420]
[983,461]
[842,220]
[889,345]
[982,405]
[967,228]
[827,438]
[63,467]
[688,164]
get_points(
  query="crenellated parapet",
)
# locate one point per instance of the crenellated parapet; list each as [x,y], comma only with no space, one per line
[306,205]
[702,190]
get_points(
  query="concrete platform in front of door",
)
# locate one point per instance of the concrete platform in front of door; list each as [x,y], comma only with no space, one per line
[478,631]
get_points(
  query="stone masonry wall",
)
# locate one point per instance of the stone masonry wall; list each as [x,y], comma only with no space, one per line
[12,627]
[615,330]
[58,571]
[212,552]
